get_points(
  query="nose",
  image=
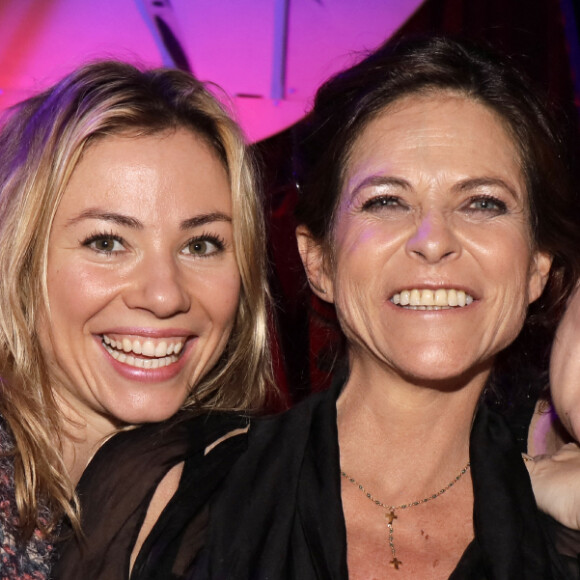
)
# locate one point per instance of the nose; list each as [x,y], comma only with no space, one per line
[157,285]
[434,239]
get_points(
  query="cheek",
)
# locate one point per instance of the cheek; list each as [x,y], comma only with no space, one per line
[219,293]
[362,245]
[505,256]
[76,291]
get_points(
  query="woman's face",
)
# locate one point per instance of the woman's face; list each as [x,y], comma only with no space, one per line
[432,266]
[143,285]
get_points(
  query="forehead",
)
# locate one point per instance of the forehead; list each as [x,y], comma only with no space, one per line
[440,129]
[148,173]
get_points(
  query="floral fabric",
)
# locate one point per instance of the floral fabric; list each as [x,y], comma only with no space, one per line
[30,561]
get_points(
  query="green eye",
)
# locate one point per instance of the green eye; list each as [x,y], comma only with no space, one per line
[204,246]
[200,247]
[104,244]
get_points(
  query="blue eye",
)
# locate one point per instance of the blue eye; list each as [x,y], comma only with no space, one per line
[488,204]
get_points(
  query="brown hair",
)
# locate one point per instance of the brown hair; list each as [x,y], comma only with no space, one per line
[348,102]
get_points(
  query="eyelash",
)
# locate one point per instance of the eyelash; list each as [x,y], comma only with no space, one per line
[395,202]
[500,208]
[382,201]
[95,237]
[216,240]
[213,239]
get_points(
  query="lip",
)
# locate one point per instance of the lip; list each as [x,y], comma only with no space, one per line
[158,375]
[148,332]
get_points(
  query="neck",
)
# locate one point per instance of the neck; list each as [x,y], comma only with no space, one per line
[411,433]
[81,436]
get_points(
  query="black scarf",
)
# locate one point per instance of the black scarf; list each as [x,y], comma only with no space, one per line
[279,514]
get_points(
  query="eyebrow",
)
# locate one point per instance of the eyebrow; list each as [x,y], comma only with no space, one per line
[131,222]
[478,182]
[206,218]
[465,185]
[377,181]
[106,216]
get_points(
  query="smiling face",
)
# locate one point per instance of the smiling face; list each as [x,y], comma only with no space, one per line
[432,266]
[143,285]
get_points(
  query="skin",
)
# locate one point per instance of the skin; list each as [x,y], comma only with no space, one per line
[565,368]
[141,248]
[433,197]
[557,465]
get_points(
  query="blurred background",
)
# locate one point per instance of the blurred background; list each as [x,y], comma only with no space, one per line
[267,57]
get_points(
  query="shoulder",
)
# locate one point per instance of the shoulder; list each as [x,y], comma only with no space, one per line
[163,444]
[137,478]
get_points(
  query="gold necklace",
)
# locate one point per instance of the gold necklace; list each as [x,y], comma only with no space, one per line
[390,509]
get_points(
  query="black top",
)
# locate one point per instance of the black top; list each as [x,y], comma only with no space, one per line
[117,486]
[278,513]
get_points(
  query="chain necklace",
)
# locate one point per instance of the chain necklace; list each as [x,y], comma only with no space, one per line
[390,515]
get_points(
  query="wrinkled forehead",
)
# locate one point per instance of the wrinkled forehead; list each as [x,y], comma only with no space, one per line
[435,119]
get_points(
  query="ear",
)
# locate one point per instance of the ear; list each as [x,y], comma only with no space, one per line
[539,271]
[315,264]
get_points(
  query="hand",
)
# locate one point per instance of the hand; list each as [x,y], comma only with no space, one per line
[555,482]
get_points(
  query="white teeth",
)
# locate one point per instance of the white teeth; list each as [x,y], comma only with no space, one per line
[427,299]
[441,297]
[148,348]
[162,353]
[142,363]
[161,349]
[452,298]
[415,298]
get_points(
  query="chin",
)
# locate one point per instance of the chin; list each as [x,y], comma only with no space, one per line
[150,413]
[446,378]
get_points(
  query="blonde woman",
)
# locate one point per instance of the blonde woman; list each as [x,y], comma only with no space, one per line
[133,282]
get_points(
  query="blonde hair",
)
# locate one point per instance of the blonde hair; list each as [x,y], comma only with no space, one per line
[41,141]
